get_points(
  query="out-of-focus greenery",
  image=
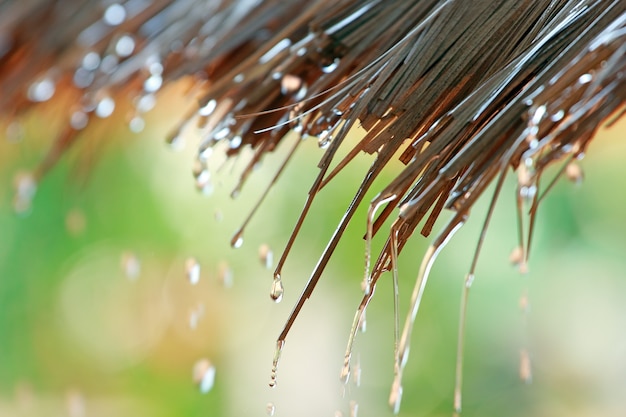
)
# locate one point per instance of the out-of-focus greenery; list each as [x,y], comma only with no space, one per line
[79,338]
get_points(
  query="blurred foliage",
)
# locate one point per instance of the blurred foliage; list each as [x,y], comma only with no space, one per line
[80,338]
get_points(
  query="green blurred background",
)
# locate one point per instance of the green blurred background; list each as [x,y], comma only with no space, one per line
[79,337]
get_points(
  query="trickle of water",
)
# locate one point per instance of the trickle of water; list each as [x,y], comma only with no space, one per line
[204,375]
[266,256]
[277,290]
[356,373]
[237,240]
[131,266]
[525,371]
[354,408]
[225,274]
[517,256]
[280,344]
[153,83]
[208,108]
[574,173]
[270,409]
[192,270]
[91,61]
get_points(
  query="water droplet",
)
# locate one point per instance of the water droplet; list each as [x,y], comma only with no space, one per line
[277,290]
[585,78]
[324,139]
[280,344]
[517,255]
[525,371]
[153,83]
[105,107]
[356,372]
[225,275]
[395,397]
[131,266]
[574,173]
[114,15]
[146,103]
[83,78]
[270,409]
[41,90]
[354,408]
[221,133]
[266,256]
[79,120]
[91,61]
[331,67]
[192,270]
[238,78]
[137,124]
[204,375]
[25,187]
[109,64]
[124,46]
[362,323]
[237,239]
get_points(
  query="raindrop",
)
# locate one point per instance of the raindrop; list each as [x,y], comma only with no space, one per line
[131,266]
[331,67]
[105,107]
[176,142]
[395,397]
[204,375]
[91,61]
[238,78]
[574,173]
[266,256]
[124,46]
[237,239]
[146,103]
[585,78]
[25,187]
[155,68]
[41,90]
[192,270]
[114,15]
[208,108]
[137,124]
[225,275]
[195,315]
[270,409]
[235,142]
[109,64]
[324,139]
[362,323]
[79,120]
[277,290]
[557,116]
[221,133]
[516,256]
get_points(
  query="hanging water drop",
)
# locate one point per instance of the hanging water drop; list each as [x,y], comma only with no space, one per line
[105,107]
[192,270]
[354,408]
[153,83]
[79,120]
[324,139]
[327,69]
[225,275]
[131,266]
[395,397]
[280,344]
[362,322]
[114,15]
[517,256]
[237,240]
[204,375]
[124,46]
[136,124]
[25,187]
[266,256]
[41,90]
[525,371]
[277,290]
[270,409]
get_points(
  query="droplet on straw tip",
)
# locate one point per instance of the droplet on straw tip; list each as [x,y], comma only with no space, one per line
[192,270]
[204,375]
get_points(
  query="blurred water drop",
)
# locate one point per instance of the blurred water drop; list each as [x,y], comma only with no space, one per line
[153,83]
[137,124]
[146,103]
[192,270]
[124,46]
[131,266]
[83,78]
[574,173]
[75,404]
[225,275]
[266,256]
[109,64]
[290,84]
[270,409]
[195,315]
[114,15]
[277,290]
[208,108]
[525,371]
[354,408]
[105,107]
[517,256]
[41,90]
[25,187]
[75,222]
[362,327]
[91,61]
[79,120]
[204,375]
